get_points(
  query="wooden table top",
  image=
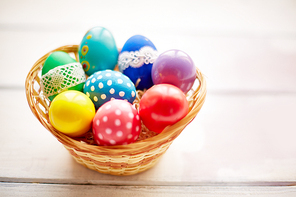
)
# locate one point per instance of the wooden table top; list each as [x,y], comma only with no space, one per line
[241,143]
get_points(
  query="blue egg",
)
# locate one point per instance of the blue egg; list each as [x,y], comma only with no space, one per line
[97,51]
[136,59]
[107,85]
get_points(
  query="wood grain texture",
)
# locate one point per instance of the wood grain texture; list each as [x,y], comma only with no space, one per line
[230,64]
[32,190]
[239,46]
[240,144]
[186,17]
[256,149]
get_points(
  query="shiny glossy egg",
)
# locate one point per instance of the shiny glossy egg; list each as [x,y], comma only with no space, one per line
[107,85]
[174,67]
[117,122]
[162,105]
[98,51]
[136,59]
[60,72]
[71,112]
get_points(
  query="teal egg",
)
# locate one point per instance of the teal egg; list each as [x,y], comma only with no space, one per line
[98,51]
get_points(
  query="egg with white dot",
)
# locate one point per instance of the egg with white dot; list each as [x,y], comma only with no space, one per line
[120,81]
[119,133]
[103,97]
[107,85]
[118,112]
[116,123]
[96,99]
[112,91]
[108,131]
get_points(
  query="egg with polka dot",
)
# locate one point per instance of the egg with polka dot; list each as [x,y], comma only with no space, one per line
[107,85]
[117,122]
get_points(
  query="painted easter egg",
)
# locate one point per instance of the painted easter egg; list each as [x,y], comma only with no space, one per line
[116,122]
[60,72]
[71,112]
[162,105]
[97,51]
[135,60]
[174,67]
[107,85]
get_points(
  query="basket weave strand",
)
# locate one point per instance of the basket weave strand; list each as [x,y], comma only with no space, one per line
[116,160]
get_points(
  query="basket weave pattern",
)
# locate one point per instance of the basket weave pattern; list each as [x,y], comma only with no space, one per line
[116,160]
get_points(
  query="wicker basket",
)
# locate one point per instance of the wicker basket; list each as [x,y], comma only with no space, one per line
[116,160]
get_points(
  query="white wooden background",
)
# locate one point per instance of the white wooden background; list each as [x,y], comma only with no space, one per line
[241,143]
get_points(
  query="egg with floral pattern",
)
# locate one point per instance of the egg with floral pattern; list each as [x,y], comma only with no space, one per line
[107,85]
[97,50]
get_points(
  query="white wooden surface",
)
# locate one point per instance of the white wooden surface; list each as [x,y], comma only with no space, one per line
[32,190]
[241,143]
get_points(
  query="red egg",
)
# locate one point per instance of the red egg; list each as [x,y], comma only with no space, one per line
[162,105]
[116,122]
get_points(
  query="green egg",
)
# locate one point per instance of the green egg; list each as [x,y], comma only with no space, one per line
[60,72]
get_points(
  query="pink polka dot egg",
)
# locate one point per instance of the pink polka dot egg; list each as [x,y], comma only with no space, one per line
[116,122]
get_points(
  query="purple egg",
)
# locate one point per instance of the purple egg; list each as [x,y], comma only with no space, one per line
[174,67]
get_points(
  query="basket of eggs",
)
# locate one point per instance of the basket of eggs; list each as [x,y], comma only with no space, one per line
[116,112]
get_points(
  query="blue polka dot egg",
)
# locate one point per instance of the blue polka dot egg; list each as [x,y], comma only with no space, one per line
[103,86]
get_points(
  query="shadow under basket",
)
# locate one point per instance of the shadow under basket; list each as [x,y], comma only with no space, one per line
[120,159]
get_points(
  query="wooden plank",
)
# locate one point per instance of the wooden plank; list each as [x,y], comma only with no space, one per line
[236,139]
[229,63]
[238,17]
[19,189]
[248,46]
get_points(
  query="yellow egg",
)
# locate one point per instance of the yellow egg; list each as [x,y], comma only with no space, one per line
[71,112]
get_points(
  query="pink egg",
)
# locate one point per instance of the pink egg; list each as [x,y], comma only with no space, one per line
[116,122]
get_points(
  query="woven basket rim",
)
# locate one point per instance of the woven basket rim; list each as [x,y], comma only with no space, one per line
[169,134]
